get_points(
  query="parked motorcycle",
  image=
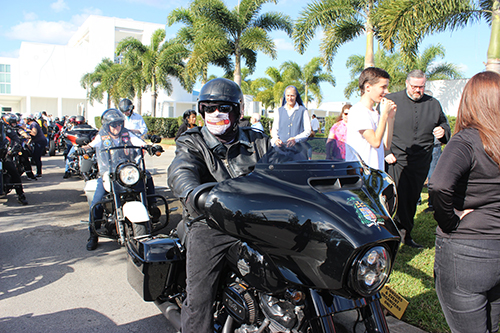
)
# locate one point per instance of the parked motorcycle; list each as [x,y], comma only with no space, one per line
[316,238]
[52,139]
[84,165]
[128,210]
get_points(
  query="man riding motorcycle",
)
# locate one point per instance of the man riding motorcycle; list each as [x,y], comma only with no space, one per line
[10,122]
[218,151]
[111,134]
[78,124]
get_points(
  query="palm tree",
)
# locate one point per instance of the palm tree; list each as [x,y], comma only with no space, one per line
[270,89]
[101,81]
[186,35]
[240,32]
[309,76]
[342,21]
[159,61]
[394,64]
[398,23]
[131,82]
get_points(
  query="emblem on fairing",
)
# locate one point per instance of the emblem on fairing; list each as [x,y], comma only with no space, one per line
[243,267]
[365,213]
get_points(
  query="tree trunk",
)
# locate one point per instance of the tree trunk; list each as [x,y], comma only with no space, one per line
[369,55]
[493,63]
[154,95]
[139,104]
[237,64]
[305,96]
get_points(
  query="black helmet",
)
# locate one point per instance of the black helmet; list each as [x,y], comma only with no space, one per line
[10,119]
[79,120]
[112,116]
[126,105]
[221,90]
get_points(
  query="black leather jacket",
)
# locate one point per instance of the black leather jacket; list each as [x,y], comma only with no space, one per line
[201,158]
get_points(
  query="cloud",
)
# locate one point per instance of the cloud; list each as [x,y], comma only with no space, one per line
[10,54]
[49,32]
[283,45]
[160,3]
[30,16]
[59,6]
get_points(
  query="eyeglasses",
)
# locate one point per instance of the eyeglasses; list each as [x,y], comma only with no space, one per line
[115,124]
[417,87]
[209,108]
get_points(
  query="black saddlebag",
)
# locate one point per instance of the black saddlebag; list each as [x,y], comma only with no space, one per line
[151,261]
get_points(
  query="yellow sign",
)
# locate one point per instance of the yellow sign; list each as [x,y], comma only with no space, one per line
[393,301]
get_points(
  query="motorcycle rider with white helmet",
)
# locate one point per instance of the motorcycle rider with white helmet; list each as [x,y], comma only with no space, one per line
[217,151]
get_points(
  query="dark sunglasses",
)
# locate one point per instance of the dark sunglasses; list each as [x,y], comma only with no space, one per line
[115,124]
[209,108]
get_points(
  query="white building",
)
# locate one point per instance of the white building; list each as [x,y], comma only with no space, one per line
[47,77]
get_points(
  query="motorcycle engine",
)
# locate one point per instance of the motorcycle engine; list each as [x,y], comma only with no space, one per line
[279,315]
[240,303]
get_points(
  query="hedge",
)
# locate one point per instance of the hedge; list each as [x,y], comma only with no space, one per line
[168,127]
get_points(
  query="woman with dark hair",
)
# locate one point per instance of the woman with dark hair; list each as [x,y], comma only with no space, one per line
[189,121]
[338,132]
[465,189]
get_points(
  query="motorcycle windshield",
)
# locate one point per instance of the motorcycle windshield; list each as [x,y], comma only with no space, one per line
[313,209]
[110,158]
[313,151]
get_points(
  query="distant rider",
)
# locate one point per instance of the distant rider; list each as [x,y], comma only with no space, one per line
[133,121]
[10,145]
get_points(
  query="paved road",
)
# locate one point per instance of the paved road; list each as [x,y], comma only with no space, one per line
[49,282]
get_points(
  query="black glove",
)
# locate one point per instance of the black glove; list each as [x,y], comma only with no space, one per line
[80,151]
[195,201]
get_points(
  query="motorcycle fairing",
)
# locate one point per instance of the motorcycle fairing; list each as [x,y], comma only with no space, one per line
[299,215]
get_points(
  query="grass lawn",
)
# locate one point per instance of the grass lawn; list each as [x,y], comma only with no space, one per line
[412,276]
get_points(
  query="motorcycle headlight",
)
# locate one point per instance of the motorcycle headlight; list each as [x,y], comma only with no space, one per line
[372,270]
[129,175]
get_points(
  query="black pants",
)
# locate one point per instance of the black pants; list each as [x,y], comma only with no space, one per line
[206,251]
[15,178]
[38,149]
[409,177]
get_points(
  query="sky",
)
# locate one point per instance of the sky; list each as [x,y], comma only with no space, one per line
[55,21]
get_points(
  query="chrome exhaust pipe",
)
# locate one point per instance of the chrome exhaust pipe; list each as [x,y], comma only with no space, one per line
[172,312]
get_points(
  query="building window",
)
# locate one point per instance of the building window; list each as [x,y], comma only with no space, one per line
[4,79]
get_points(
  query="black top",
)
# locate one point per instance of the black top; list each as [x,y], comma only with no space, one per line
[413,125]
[183,128]
[466,178]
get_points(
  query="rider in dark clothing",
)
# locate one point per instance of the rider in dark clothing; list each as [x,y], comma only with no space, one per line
[39,143]
[13,141]
[218,151]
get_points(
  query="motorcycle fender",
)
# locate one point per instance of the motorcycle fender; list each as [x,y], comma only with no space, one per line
[135,212]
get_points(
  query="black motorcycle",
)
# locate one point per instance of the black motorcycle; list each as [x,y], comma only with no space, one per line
[82,165]
[129,210]
[316,238]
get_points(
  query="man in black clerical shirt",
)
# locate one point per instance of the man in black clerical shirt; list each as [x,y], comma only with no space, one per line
[419,119]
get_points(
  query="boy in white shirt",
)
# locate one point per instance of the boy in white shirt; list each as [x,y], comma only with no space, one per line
[366,127]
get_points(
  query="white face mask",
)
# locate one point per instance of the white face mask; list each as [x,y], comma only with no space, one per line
[217,122]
